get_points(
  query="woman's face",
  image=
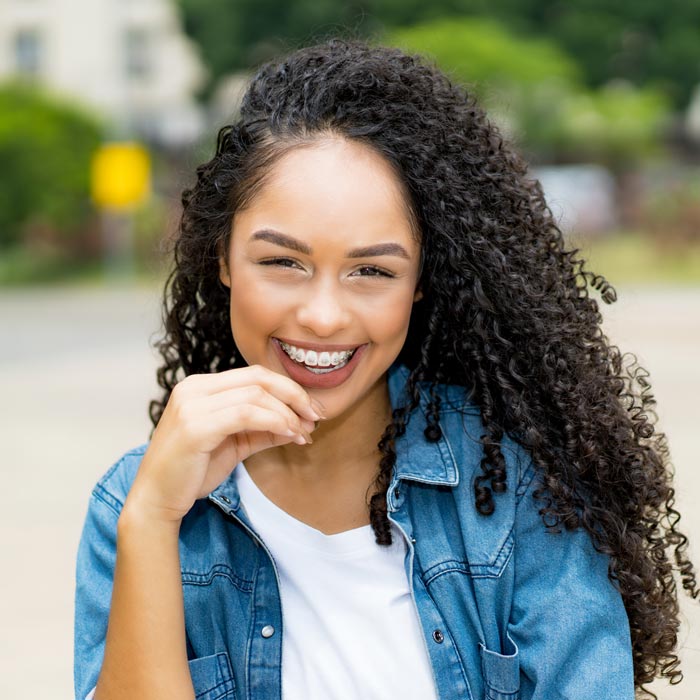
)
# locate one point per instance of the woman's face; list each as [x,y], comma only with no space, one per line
[323,259]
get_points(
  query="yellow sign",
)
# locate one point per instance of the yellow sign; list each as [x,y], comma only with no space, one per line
[120,175]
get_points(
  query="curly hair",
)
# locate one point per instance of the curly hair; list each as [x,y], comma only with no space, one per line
[507,311]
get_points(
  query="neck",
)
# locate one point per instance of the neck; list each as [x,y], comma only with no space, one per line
[344,449]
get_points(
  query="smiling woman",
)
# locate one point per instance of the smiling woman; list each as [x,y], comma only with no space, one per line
[395,455]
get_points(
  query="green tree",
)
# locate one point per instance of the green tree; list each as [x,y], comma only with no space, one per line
[534,91]
[45,150]
[642,41]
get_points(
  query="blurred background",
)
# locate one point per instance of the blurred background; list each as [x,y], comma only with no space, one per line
[106,108]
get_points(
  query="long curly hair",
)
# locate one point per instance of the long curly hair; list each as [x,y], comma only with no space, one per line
[508,311]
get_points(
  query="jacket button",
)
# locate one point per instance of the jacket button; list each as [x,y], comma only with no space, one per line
[438,636]
[226,499]
[397,493]
[267,631]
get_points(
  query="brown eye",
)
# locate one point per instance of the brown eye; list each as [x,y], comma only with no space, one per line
[371,271]
[280,262]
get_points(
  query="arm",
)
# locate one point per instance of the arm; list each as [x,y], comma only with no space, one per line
[145,650]
[568,619]
[129,548]
[129,618]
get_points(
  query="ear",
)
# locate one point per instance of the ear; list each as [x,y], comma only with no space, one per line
[418,295]
[224,274]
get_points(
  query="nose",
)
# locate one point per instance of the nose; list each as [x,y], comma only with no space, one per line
[323,311]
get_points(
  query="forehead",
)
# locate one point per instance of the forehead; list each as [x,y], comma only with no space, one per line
[331,186]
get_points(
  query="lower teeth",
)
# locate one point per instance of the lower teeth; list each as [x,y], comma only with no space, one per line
[319,370]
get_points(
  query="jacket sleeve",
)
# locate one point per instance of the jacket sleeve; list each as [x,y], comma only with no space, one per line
[93,593]
[567,620]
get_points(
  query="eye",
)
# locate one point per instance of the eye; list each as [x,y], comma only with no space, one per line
[280,262]
[365,270]
[371,271]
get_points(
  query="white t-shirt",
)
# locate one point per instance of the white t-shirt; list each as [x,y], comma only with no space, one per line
[350,626]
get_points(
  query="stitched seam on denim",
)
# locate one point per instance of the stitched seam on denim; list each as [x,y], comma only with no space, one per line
[459,658]
[194,579]
[251,628]
[490,685]
[114,504]
[225,669]
[206,693]
[497,567]
[431,574]
[525,483]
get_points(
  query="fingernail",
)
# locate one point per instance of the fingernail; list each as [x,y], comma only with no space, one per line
[318,407]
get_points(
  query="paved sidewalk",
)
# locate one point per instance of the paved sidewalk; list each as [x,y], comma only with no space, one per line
[77,373]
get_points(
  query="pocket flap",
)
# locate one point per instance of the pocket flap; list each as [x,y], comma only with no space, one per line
[501,671]
[212,677]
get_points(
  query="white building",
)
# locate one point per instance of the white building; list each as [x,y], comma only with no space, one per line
[128,60]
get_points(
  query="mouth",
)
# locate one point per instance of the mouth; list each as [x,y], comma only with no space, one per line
[319,368]
[318,362]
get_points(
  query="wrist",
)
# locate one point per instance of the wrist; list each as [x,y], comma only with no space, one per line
[141,513]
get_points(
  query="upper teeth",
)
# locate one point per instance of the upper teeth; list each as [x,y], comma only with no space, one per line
[313,358]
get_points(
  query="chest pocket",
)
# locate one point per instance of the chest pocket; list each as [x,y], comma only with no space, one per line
[501,672]
[212,677]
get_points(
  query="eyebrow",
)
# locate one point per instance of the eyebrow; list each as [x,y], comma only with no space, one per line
[370,251]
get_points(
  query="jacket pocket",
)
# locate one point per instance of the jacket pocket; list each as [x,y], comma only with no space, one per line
[212,677]
[501,672]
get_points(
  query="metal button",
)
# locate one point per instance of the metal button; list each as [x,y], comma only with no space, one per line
[267,631]
[226,499]
[397,493]
[438,636]
[413,540]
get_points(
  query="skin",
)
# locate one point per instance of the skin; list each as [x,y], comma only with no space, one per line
[332,196]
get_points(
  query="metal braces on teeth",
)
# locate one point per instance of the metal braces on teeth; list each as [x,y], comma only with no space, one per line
[345,357]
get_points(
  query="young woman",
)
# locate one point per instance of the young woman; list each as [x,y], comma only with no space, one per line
[395,456]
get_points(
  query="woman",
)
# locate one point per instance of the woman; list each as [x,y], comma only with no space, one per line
[395,455]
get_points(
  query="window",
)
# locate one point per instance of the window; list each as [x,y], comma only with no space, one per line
[28,49]
[137,53]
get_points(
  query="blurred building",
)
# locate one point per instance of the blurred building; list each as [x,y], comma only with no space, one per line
[582,198]
[129,60]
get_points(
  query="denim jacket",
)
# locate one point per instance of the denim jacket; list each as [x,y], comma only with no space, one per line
[508,610]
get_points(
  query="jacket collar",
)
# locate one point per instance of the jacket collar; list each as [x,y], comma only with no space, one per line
[416,458]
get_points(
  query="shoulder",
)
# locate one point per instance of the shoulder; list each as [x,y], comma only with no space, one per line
[113,487]
[462,426]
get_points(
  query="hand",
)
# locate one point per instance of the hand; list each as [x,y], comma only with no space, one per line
[211,423]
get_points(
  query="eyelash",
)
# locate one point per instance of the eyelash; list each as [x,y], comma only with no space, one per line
[277,261]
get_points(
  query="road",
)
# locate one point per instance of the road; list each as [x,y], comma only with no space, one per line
[77,372]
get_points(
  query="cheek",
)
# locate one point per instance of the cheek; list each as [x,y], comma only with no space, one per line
[389,317]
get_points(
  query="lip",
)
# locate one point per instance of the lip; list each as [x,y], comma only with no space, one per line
[317,381]
[327,347]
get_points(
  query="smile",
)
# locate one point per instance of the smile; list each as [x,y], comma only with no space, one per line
[315,361]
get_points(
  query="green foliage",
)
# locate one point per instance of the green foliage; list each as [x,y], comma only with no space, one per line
[45,149]
[616,125]
[642,41]
[481,52]
[533,90]
[238,35]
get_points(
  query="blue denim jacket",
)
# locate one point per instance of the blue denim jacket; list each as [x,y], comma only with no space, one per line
[508,610]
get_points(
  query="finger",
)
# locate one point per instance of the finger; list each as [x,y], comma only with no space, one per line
[249,418]
[283,387]
[254,395]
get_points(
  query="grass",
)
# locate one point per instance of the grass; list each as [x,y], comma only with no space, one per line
[635,258]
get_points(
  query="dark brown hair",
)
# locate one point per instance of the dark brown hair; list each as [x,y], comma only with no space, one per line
[507,311]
